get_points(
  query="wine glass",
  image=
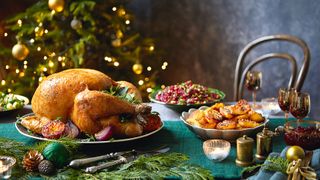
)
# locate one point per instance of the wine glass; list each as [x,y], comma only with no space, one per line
[253,83]
[284,100]
[300,105]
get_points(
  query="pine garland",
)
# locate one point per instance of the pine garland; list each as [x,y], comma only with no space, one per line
[156,167]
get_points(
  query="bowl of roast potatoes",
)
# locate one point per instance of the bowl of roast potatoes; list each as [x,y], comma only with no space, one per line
[222,121]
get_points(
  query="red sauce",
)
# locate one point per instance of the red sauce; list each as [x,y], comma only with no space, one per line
[306,137]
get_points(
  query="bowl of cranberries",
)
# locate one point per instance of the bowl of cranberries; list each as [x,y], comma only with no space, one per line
[305,134]
[186,95]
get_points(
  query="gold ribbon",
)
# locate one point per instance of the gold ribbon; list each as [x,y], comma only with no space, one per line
[297,172]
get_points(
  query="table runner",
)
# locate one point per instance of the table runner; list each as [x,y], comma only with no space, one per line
[180,139]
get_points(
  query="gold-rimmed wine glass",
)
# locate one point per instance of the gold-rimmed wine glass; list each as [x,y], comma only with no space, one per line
[253,83]
[300,105]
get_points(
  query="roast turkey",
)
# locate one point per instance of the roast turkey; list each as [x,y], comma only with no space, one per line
[77,95]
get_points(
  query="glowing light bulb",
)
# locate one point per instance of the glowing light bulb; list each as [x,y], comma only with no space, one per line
[46,31]
[5,34]
[114,8]
[17,71]
[9,90]
[60,58]
[141,82]
[53,12]
[149,90]
[51,64]
[151,48]
[25,66]
[40,24]
[25,62]
[116,63]
[163,67]
[31,40]
[45,69]
[40,79]
[45,57]
[52,54]
[3,82]
[165,63]
[19,22]
[109,59]
[127,21]
[163,86]
[7,67]
[149,68]
[63,64]
[21,74]
[38,48]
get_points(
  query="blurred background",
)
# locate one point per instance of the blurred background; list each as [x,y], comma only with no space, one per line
[201,40]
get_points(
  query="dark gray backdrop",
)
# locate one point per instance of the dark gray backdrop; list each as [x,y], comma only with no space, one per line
[201,39]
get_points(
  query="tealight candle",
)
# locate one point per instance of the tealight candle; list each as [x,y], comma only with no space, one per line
[6,164]
[216,149]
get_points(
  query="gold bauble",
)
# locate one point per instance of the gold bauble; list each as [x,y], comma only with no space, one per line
[20,51]
[38,31]
[121,12]
[56,5]
[295,153]
[137,68]
[116,43]
[119,34]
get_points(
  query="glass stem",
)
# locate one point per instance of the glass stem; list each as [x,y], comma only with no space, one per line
[254,98]
[286,115]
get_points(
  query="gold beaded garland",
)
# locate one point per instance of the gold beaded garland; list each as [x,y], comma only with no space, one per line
[57,5]
[20,51]
[137,68]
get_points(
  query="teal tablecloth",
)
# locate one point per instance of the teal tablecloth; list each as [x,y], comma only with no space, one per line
[180,139]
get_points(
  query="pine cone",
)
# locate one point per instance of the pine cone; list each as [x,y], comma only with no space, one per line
[31,160]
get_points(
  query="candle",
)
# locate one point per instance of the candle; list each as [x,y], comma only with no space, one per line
[218,154]
[6,164]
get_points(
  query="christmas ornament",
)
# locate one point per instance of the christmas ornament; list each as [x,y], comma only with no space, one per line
[31,160]
[119,34]
[121,12]
[116,43]
[76,24]
[38,31]
[56,5]
[137,68]
[295,153]
[20,51]
[57,153]
[46,167]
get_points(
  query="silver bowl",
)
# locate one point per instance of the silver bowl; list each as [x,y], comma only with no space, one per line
[229,135]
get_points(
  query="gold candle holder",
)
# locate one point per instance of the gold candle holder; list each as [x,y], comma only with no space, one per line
[244,151]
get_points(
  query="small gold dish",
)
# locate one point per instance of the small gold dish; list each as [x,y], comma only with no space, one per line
[216,149]
[6,164]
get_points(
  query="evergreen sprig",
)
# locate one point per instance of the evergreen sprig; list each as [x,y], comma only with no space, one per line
[278,164]
[144,167]
[122,93]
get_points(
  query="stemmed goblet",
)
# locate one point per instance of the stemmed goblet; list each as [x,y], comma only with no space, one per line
[253,83]
[300,105]
[284,100]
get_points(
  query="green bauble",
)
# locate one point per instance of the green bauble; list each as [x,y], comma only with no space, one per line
[57,153]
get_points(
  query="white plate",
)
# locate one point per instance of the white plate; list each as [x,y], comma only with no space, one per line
[22,130]
[229,135]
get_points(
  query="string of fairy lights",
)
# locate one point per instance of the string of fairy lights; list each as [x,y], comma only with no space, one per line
[51,59]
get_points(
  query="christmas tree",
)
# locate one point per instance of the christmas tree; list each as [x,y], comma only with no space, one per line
[54,35]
